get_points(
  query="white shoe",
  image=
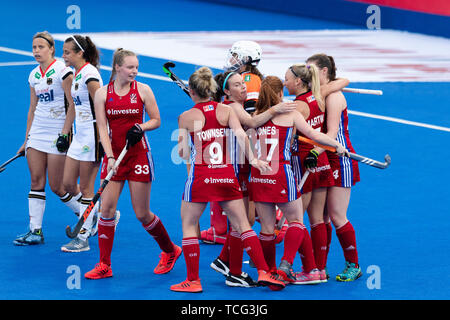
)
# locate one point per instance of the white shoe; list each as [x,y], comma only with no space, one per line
[76,245]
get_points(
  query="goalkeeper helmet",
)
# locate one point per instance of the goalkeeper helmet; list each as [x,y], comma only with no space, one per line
[243,53]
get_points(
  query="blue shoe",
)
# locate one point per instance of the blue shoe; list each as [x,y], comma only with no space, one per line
[30,238]
[350,273]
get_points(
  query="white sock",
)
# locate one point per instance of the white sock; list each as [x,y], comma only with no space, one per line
[36,207]
[87,225]
[73,202]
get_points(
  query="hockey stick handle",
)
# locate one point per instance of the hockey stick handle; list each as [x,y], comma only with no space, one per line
[73,233]
[363,91]
[178,81]
[354,156]
[2,167]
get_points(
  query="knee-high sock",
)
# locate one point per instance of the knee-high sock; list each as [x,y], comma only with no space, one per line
[191,252]
[306,252]
[157,230]
[347,239]
[87,225]
[36,208]
[225,253]
[72,202]
[106,230]
[329,235]
[236,253]
[218,218]
[253,248]
[319,241]
[292,240]
[269,249]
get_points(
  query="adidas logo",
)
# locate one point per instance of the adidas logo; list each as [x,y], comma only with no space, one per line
[283,192]
[350,248]
[103,236]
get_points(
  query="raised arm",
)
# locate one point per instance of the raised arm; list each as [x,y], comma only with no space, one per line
[307,130]
[244,143]
[253,122]
[332,86]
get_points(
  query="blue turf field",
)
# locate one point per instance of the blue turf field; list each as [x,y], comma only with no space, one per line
[400,215]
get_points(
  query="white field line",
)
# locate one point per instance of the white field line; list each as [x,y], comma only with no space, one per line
[411,123]
[357,113]
[17,63]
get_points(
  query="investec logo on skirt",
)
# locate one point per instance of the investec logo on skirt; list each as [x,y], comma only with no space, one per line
[218,180]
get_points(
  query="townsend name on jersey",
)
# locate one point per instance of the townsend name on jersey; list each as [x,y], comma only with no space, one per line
[212,133]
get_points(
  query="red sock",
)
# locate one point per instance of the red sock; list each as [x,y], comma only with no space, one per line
[306,252]
[253,248]
[225,253]
[347,238]
[218,219]
[191,251]
[329,234]
[269,249]
[156,229]
[292,241]
[106,229]
[236,253]
[319,242]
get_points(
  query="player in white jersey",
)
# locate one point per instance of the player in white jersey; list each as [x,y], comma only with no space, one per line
[49,125]
[85,151]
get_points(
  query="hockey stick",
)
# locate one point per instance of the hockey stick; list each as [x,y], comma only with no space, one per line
[354,156]
[363,91]
[178,81]
[76,230]
[302,182]
[2,167]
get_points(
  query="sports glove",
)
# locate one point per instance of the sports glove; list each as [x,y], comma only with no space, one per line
[134,135]
[311,159]
[62,143]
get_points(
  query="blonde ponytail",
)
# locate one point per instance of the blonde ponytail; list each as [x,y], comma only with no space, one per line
[203,83]
[310,78]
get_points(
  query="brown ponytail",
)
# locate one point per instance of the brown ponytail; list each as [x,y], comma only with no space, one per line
[85,44]
[322,61]
[269,92]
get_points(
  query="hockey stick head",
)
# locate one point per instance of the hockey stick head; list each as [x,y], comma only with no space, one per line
[71,234]
[387,160]
[167,66]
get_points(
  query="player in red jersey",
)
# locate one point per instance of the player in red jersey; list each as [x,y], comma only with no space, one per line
[243,58]
[303,82]
[345,170]
[278,186]
[208,126]
[121,105]
[233,87]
